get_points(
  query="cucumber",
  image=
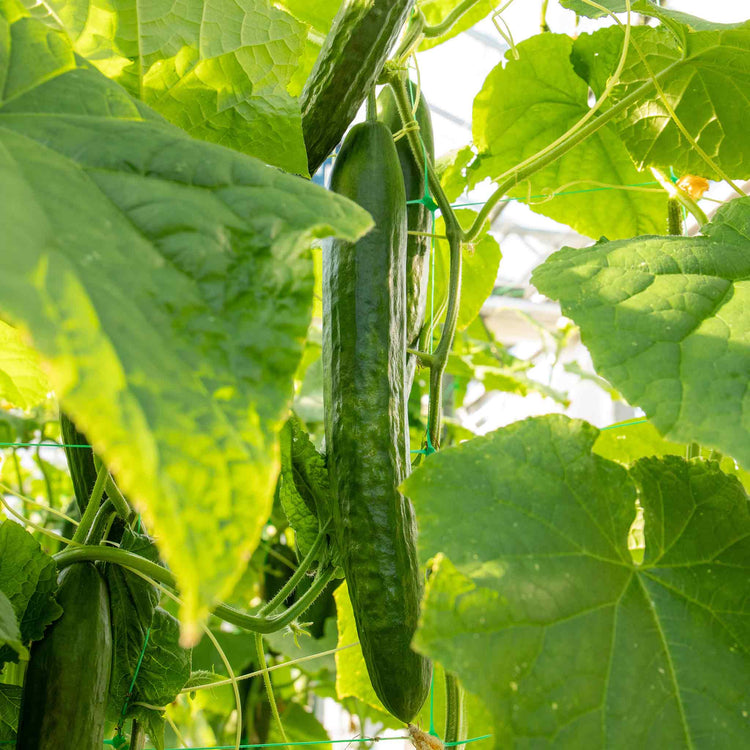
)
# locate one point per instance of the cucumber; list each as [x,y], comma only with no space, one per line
[364,340]
[418,216]
[347,67]
[65,690]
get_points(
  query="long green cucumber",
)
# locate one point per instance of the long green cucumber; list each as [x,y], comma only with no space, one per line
[364,340]
[418,215]
[347,67]
[65,690]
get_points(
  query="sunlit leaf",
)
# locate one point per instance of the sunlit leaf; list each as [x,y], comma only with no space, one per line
[702,76]
[167,285]
[23,383]
[525,106]
[217,68]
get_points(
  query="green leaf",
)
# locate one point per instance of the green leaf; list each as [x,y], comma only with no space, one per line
[166,665]
[628,441]
[133,601]
[318,14]
[436,11]
[541,611]
[526,105]
[10,633]
[10,707]
[153,723]
[22,380]
[166,284]
[300,725]
[28,580]
[219,69]
[702,75]
[666,320]
[451,168]
[480,261]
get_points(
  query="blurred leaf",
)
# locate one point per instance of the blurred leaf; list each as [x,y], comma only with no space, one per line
[28,579]
[528,103]
[667,322]
[166,283]
[22,380]
[481,260]
[299,726]
[534,530]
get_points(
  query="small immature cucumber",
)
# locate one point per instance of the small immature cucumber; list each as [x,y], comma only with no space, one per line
[67,681]
[347,67]
[364,340]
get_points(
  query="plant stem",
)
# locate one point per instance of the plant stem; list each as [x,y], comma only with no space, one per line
[412,37]
[543,27]
[92,507]
[101,522]
[693,451]
[297,576]
[372,106]
[674,216]
[256,623]
[447,23]
[455,719]
[137,736]
[121,505]
[269,687]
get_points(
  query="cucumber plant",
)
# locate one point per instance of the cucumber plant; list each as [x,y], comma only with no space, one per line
[158,279]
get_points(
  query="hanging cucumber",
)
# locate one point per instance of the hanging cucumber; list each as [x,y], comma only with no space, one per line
[364,340]
[418,215]
[67,680]
[347,67]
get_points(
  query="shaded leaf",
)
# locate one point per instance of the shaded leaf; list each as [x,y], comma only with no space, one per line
[628,441]
[540,609]
[10,633]
[28,580]
[166,283]
[667,321]
[10,707]
[481,260]
[133,601]
[299,726]
[525,106]
[22,381]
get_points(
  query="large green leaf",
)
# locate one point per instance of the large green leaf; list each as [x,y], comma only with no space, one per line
[22,380]
[626,442]
[528,103]
[167,284]
[217,68]
[28,579]
[539,608]
[667,321]
[703,75]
